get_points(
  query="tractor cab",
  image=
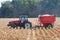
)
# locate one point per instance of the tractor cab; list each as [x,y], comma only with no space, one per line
[24,21]
[23,18]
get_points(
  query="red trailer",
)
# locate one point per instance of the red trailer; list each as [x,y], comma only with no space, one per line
[47,21]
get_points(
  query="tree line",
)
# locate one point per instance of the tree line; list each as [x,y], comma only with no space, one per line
[32,8]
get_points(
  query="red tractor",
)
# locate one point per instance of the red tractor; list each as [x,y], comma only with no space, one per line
[22,22]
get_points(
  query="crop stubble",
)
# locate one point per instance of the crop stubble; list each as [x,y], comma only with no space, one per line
[27,34]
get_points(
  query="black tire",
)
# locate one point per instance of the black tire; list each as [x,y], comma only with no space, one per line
[13,26]
[49,26]
[8,25]
[45,27]
[27,25]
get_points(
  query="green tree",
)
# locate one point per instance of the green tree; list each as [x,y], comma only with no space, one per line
[47,6]
[6,9]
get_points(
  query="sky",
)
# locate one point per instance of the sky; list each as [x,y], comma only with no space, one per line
[3,1]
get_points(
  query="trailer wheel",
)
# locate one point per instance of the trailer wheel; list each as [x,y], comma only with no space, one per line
[49,26]
[45,27]
[27,25]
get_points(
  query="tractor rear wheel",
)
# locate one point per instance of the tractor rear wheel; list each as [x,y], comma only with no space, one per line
[27,25]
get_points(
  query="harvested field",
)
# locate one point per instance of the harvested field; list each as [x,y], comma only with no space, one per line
[28,34]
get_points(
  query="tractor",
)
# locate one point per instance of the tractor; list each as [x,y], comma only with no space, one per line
[22,22]
[46,21]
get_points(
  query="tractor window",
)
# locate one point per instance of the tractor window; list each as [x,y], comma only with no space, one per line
[26,18]
[23,18]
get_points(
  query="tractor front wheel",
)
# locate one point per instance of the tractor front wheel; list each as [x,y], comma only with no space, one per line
[13,26]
